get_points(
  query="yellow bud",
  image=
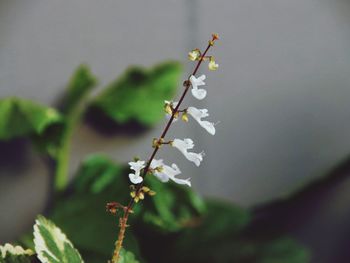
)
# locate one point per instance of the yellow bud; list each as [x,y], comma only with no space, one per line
[194,54]
[155,142]
[168,109]
[136,199]
[145,189]
[184,117]
[176,115]
[212,64]
[151,193]
[141,196]
[133,194]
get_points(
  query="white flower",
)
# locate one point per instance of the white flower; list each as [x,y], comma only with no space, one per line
[196,92]
[183,146]
[135,178]
[198,114]
[164,172]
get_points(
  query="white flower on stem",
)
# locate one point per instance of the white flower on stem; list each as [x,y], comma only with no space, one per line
[135,178]
[196,92]
[198,114]
[183,146]
[165,173]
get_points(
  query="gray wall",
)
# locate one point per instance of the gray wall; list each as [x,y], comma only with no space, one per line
[281,93]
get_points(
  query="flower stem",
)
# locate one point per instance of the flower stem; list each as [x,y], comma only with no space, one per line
[124,219]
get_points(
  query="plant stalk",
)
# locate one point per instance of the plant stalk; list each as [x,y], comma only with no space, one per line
[124,219]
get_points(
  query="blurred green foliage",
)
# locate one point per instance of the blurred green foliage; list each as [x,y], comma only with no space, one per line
[139,94]
[176,225]
[24,118]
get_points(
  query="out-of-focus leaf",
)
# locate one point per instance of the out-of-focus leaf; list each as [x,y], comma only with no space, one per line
[173,207]
[52,245]
[15,254]
[127,257]
[90,227]
[139,94]
[80,84]
[283,250]
[21,118]
[55,139]
[219,237]
[96,173]
[222,222]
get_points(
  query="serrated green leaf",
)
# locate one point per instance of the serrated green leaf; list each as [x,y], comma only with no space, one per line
[173,207]
[139,94]
[15,254]
[21,118]
[52,245]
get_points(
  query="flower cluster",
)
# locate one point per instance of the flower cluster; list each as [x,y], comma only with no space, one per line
[157,167]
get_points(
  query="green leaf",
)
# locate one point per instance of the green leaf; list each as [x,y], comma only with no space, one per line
[52,245]
[222,221]
[21,118]
[220,236]
[80,85]
[139,94]
[127,257]
[15,254]
[284,249]
[56,139]
[96,173]
[99,180]
[173,207]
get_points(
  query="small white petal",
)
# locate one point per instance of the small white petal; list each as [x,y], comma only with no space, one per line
[183,146]
[135,178]
[199,93]
[196,92]
[198,114]
[137,166]
[168,172]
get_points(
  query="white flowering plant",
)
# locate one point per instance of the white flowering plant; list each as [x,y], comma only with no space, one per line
[152,196]
[157,167]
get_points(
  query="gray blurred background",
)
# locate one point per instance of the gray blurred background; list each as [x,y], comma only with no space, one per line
[281,93]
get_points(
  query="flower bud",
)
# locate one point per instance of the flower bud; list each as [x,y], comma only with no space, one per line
[184,117]
[168,108]
[212,64]
[194,54]
[151,193]
[145,189]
